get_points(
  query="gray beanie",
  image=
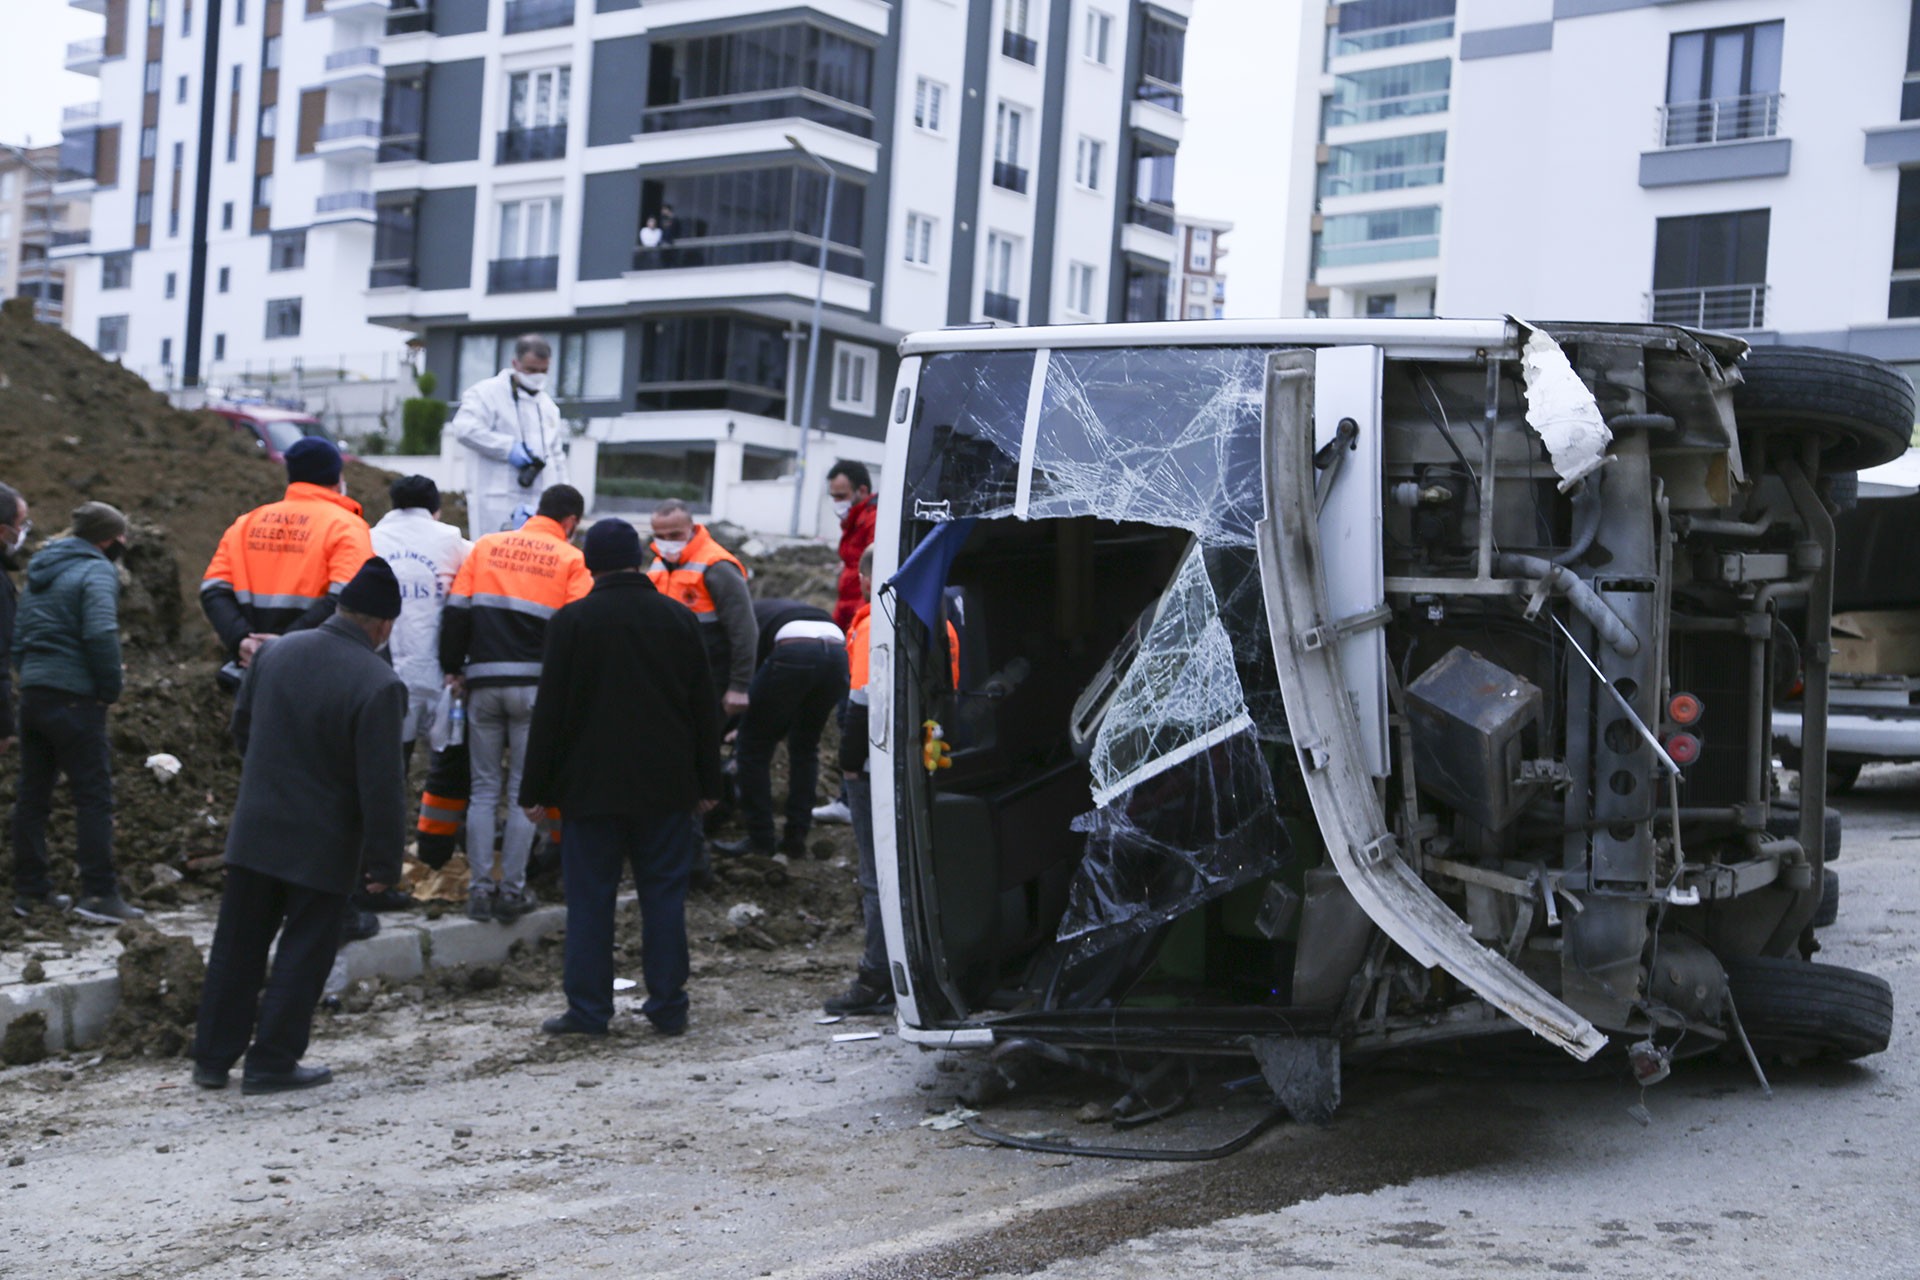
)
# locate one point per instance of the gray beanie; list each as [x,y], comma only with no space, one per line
[97,522]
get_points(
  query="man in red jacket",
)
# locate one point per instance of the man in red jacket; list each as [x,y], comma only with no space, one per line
[851,487]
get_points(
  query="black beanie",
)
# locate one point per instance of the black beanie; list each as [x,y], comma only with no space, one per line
[313,460]
[414,491]
[612,544]
[374,591]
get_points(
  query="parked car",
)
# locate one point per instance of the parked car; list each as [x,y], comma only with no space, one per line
[1336,688]
[272,428]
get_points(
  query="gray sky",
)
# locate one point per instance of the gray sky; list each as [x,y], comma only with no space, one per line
[1241,63]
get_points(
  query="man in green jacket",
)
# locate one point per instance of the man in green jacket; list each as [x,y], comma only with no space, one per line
[67,646]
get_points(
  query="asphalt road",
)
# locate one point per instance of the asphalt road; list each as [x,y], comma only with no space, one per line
[458,1143]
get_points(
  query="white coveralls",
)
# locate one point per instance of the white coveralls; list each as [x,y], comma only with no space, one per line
[494,415]
[425,555]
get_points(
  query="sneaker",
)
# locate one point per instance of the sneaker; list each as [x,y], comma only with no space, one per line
[479,905]
[861,996]
[566,1024]
[741,848]
[510,904]
[359,925]
[209,1077]
[252,1082]
[25,904]
[107,908]
[837,811]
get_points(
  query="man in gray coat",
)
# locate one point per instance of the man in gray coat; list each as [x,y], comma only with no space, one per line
[318,722]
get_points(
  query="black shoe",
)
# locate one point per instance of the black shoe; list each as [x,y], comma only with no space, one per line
[566,1024]
[794,846]
[670,1028]
[509,906]
[209,1078]
[388,899]
[252,1082]
[25,904]
[863,995]
[741,847]
[106,908]
[359,925]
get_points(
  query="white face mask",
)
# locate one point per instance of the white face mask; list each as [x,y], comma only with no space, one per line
[20,537]
[669,548]
[840,509]
[534,382]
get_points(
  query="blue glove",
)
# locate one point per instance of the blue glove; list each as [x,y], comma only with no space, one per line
[519,457]
[521,514]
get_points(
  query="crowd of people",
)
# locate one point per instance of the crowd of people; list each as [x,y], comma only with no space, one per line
[584,688]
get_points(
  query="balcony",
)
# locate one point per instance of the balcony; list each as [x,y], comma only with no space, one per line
[1716,120]
[516,146]
[523,275]
[1724,306]
[1152,216]
[355,68]
[745,250]
[1009,177]
[391,275]
[85,56]
[69,244]
[398,147]
[1363,111]
[1171,97]
[1391,37]
[1000,306]
[81,115]
[89,6]
[405,19]
[1020,48]
[339,8]
[537,15]
[747,108]
[344,206]
[353,140]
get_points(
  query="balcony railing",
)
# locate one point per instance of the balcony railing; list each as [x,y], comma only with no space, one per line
[549,142]
[1404,104]
[408,19]
[342,201]
[342,130]
[79,115]
[1417,32]
[398,146]
[1161,94]
[1020,48]
[1009,176]
[538,15]
[1395,178]
[1725,306]
[1153,216]
[365,55]
[391,275]
[522,275]
[1695,124]
[1365,252]
[773,104]
[1000,306]
[63,239]
[92,49]
[741,250]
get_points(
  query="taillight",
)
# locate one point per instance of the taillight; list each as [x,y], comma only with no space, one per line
[1682,748]
[1684,709]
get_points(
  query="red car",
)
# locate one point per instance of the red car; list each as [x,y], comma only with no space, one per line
[272,428]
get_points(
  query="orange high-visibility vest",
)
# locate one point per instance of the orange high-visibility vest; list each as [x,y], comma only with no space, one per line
[511,584]
[686,580]
[857,652]
[279,560]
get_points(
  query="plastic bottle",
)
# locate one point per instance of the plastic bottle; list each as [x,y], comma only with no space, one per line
[457,727]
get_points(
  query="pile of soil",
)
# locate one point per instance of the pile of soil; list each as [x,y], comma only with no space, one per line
[160,979]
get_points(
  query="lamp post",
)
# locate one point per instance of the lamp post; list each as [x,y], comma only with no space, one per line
[813,343]
[46,260]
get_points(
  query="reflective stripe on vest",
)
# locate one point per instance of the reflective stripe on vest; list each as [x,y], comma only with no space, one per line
[440,816]
[686,580]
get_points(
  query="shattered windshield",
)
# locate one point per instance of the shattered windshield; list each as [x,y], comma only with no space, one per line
[964,456]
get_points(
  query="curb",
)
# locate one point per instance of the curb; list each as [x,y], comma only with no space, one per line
[77,1008]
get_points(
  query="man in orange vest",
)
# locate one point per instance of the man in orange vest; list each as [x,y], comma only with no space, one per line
[279,567]
[689,566]
[491,641]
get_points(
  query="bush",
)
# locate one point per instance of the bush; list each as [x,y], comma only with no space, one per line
[374,444]
[420,423]
[636,487]
[425,382]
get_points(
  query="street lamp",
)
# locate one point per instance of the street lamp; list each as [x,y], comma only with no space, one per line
[813,343]
[40,307]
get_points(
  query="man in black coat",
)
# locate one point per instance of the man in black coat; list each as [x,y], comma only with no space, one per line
[318,721]
[14,527]
[626,743]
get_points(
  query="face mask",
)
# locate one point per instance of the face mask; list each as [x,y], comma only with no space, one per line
[669,548]
[20,537]
[114,550]
[840,509]
[534,382]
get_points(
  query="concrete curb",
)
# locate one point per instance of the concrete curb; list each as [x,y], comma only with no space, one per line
[77,1008]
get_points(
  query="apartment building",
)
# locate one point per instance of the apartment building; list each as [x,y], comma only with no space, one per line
[1200,283]
[228,168]
[1748,165]
[652,186]
[34,219]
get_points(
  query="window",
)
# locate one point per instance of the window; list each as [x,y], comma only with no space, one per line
[713,362]
[156,12]
[226,215]
[263,191]
[538,99]
[219,346]
[149,142]
[110,337]
[6,224]
[854,372]
[1099,36]
[1079,289]
[1388,235]
[233,119]
[1086,164]
[1381,306]
[283,317]
[394,222]
[152,82]
[1414,89]
[1163,53]
[9,184]
[1197,288]
[1146,294]
[287,251]
[239,12]
[172,280]
[225,279]
[1387,24]
[920,239]
[756,74]
[179,155]
[1007,124]
[928,97]
[1201,258]
[1016,16]
[739,216]
[1710,270]
[270,121]
[1196,312]
[1389,164]
[166,351]
[180,90]
[1000,276]
[1153,179]
[592,364]
[116,270]
[403,112]
[143,209]
[271,54]
[530,228]
[186,18]
[1903,300]
[1723,85]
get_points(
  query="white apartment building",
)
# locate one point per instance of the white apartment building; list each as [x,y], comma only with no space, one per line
[1199,281]
[1748,165]
[647,185]
[228,167]
[33,220]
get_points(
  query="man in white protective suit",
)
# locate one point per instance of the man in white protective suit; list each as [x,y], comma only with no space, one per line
[425,554]
[516,445]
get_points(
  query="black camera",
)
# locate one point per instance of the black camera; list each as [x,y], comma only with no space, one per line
[530,471]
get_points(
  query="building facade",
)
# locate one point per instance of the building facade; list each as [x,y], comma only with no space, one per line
[228,168]
[647,185]
[1745,165]
[1199,282]
[35,220]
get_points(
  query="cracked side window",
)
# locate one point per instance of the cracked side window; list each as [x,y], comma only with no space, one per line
[1167,436]
[969,417]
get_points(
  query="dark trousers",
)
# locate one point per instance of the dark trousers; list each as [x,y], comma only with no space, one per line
[793,693]
[63,733]
[233,1008]
[873,954]
[592,858]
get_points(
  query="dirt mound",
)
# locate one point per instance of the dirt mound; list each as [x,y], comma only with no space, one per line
[160,979]
[806,571]
[26,1040]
